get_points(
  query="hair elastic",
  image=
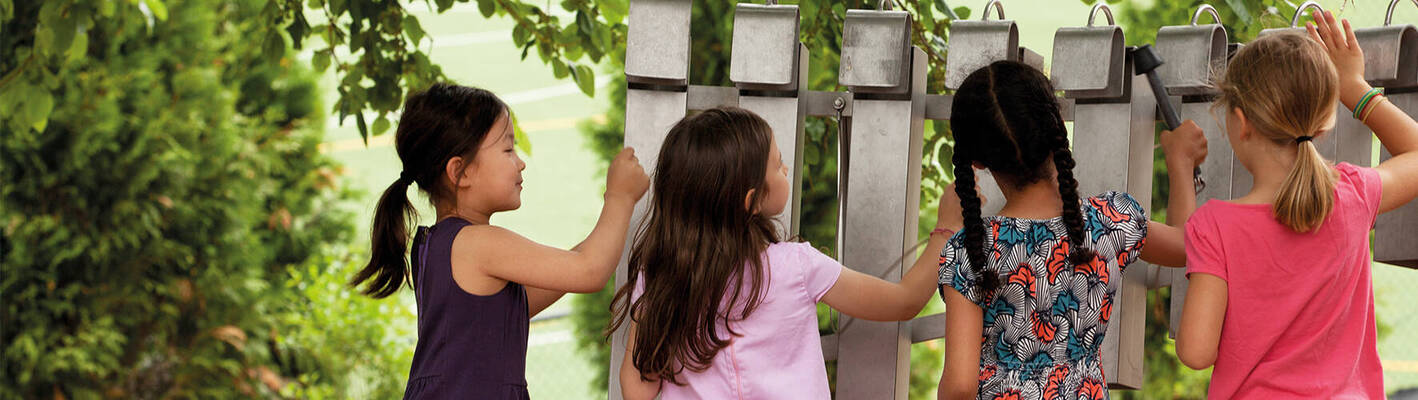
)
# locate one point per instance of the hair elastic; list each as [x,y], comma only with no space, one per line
[1303,139]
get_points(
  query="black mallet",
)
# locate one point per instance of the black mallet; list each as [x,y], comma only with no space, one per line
[1145,61]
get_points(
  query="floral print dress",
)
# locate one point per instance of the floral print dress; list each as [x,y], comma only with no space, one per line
[1044,325]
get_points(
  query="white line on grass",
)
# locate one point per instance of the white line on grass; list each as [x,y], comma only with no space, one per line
[547,338]
[512,99]
[471,38]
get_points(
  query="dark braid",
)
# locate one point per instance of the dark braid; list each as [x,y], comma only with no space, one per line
[1078,252]
[1007,119]
[974,224]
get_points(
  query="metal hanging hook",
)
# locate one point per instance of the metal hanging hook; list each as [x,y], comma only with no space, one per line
[1000,8]
[1215,17]
[1300,11]
[1107,12]
[1208,9]
[883,5]
[770,2]
[1388,17]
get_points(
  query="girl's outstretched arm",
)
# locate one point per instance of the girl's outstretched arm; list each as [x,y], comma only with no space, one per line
[1396,131]
[504,254]
[1185,148]
[960,377]
[539,299]
[632,387]
[871,298]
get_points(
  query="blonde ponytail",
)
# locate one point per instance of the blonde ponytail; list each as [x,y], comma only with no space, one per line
[1307,195]
[1286,87]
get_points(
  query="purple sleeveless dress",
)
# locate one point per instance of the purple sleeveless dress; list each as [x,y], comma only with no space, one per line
[469,346]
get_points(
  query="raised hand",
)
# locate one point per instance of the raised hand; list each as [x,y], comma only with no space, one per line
[626,176]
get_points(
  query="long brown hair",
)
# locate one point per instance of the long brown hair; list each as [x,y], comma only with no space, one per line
[1287,87]
[1007,119]
[437,124]
[700,253]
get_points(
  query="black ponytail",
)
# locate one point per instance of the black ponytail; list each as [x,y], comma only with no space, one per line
[436,125]
[388,263]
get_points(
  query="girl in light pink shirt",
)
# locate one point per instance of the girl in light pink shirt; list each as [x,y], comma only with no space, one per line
[1281,300]
[721,307]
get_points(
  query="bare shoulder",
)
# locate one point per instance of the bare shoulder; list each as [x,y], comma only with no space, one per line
[473,249]
[484,239]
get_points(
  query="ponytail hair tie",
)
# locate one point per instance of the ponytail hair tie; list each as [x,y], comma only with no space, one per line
[406,178]
[1303,139]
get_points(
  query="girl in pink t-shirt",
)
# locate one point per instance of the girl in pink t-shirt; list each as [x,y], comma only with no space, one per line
[722,308]
[1281,301]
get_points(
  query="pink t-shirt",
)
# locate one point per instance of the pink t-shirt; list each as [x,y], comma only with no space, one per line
[1300,306]
[778,354]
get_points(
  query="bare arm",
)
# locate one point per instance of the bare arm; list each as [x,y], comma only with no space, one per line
[868,297]
[1185,148]
[960,377]
[1396,131]
[871,298]
[1200,331]
[632,387]
[503,254]
[539,299]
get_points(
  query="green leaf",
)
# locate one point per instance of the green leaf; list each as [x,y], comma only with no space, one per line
[43,39]
[567,35]
[927,18]
[38,104]
[412,29]
[519,35]
[79,48]
[363,129]
[275,45]
[559,69]
[64,30]
[613,10]
[583,24]
[298,30]
[573,52]
[158,8]
[962,12]
[584,78]
[1242,12]
[321,60]
[381,125]
[485,6]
